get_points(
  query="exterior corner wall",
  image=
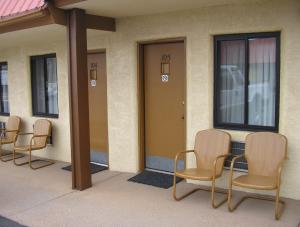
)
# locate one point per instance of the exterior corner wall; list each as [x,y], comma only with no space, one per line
[198,26]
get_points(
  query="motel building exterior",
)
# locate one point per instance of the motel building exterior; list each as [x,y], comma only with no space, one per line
[129,83]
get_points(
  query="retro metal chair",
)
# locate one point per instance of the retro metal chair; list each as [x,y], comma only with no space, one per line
[9,135]
[38,141]
[211,148]
[265,153]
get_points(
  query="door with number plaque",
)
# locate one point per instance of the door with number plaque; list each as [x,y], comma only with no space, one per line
[164,93]
[98,107]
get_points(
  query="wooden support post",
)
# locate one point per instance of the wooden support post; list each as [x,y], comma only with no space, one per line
[79,105]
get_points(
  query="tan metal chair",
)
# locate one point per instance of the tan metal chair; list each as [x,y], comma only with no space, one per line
[211,148]
[9,135]
[38,141]
[265,153]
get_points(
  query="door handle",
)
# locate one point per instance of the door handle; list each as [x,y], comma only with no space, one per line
[182,117]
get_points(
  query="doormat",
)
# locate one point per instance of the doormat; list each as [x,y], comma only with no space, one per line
[5,222]
[94,168]
[160,180]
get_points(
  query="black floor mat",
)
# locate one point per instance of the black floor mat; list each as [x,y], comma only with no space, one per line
[94,168]
[5,222]
[155,179]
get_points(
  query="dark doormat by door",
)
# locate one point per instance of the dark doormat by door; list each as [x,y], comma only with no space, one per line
[155,179]
[5,222]
[94,168]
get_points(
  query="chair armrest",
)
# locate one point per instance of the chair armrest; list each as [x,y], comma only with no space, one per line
[11,130]
[216,161]
[25,133]
[178,155]
[6,131]
[36,136]
[232,165]
[279,173]
[234,159]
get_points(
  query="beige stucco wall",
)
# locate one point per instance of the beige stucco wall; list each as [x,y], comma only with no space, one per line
[198,26]
[19,81]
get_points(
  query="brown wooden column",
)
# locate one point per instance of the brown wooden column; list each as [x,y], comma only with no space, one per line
[79,106]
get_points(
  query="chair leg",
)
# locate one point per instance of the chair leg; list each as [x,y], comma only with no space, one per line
[15,157]
[47,162]
[183,196]
[30,161]
[4,157]
[265,198]
[230,208]
[278,212]
[212,190]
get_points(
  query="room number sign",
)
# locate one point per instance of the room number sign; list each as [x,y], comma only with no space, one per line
[164,78]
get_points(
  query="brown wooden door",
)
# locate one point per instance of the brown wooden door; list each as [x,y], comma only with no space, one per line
[164,104]
[98,107]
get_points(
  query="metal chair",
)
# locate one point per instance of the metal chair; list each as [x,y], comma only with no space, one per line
[265,153]
[9,135]
[38,141]
[211,148]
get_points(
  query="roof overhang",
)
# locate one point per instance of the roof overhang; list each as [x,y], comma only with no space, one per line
[134,8]
[44,16]
[60,3]
[51,14]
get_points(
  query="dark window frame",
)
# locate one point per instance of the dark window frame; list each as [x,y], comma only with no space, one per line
[245,37]
[2,113]
[33,93]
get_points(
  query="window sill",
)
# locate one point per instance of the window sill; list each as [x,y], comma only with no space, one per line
[247,129]
[4,114]
[54,116]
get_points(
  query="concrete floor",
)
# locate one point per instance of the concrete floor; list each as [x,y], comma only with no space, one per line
[44,198]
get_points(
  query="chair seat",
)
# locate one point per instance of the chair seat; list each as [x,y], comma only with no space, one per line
[255,182]
[26,148]
[6,141]
[195,174]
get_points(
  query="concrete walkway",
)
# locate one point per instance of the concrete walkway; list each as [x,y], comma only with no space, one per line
[45,198]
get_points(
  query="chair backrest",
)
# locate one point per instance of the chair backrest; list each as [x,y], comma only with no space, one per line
[13,123]
[209,144]
[264,152]
[42,127]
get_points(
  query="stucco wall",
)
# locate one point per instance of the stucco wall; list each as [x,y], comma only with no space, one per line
[198,26]
[19,82]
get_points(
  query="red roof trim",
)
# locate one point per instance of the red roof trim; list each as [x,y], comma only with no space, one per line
[10,9]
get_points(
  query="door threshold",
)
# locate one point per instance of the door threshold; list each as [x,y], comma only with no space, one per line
[159,171]
[99,164]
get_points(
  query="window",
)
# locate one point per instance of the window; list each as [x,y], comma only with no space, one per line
[246,91]
[4,105]
[44,85]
